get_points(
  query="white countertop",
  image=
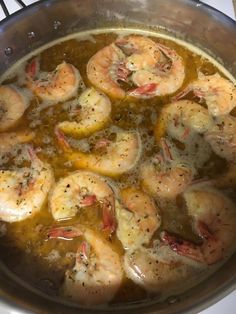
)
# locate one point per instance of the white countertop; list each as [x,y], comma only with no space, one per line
[228,304]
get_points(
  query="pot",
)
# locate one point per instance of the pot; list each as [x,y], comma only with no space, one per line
[48,20]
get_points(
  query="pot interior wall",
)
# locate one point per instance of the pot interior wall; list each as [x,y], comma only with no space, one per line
[196,23]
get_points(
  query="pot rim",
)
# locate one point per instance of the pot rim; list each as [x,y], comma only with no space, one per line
[198,305]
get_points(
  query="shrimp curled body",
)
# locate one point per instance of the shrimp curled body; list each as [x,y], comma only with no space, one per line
[167,175]
[159,269]
[179,119]
[120,155]
[23,191]
[218,92]
[56,86]
[138,218]
[222,137]
[97,274]
[164,82]
[13,104]
[79,189]
[166,184]
[154,69]
[214,219]
[100,72]
[93,114]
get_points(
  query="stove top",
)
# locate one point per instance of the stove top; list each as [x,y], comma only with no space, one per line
[7,7]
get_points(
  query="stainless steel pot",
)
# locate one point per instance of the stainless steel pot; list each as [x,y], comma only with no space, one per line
[51,19]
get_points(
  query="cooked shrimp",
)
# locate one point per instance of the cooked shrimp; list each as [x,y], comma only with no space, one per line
[103,70]
[138,218]
[218,92]
[56,86]
[118,156]
[97,274]
[159,269]
[24,191]
[179,119]
[13,104]
[82,189]
[165,176]
[166,184]
[9,140]
[186,122]
[91,116]
[138,60]
[214,218]
[141,52]
[222,137]
[163,80]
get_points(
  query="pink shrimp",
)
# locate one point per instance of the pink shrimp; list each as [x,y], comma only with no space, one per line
[165,177]
[83,189]
[138,218]
[103,70]
[56,86]
[218,92]
[164,82]
[13,103]
[23,191]
[214,218]
[97,273]
[155,69]
[222,137]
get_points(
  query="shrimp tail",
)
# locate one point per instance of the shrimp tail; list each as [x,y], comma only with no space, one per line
[82,253]
[62,141]
[108,217]
[32,153]
[64,233]
[88,200]
[122,72]
[186,133]
[166,150]
[196,92]
[165,50]
[204,230]
[32,68]
[146,90]
[213,247]
[181,95]
[183,247]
